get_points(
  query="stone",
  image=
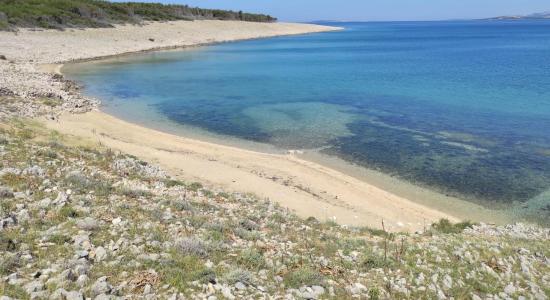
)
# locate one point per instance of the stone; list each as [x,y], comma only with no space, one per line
[240,286]
[69,274]
[104,297]
[34,171]
[82,280]
[6,192]
[148,289]
[226,292]
[101,286]
[357,288]
[87,223]
[44,203]
[318,290]
[447,282]
[509,289]
[100,254]
[23,216]
[33,286]
[39,295]
[3,18]
[61,199]
[74,295]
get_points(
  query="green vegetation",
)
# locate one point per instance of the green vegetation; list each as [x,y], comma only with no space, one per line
[59,14]
[303,276]
[445,226]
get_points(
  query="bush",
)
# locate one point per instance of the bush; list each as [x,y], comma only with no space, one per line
[303,276]
[182,205]
[5,192]
[251,259]
[246,235]
[195,186]
[9,264]
[248,225]
[192,247]
[134,193]
[372,261]
[205,276]
[79,183]
[67,212]
[172,183]
[239,275]
[445,226]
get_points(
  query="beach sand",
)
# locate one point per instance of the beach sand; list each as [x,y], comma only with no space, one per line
[308,188]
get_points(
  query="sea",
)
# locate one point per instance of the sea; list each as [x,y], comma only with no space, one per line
[458,107]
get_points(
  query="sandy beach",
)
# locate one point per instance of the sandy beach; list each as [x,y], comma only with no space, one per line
[308,188]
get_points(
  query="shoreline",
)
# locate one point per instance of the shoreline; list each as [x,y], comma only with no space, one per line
[308,188]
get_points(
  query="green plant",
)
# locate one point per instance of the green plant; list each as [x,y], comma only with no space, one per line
[134,193]
[445,226]
[374,293]
[172,183]
[192,246]
[239,275]
[195,186]
[251,259]
[51,102]
[66,212]
[303,276]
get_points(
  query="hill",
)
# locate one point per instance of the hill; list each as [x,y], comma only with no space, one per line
[535,16]
[59,14]
[79,220]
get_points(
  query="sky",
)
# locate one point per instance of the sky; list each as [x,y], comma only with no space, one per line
[374,10]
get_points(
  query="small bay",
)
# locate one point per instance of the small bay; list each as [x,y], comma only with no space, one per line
[460,107]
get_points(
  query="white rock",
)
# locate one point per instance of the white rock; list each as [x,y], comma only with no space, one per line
[447,282]
[240,286]
[509,289]
[45,203]
[23,216]
[318,290]
[101,286]
[100,254]
[87,223]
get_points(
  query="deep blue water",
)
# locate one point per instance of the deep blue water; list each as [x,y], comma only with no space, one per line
[461,107]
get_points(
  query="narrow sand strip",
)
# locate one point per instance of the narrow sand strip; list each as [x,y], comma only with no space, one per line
[306,187]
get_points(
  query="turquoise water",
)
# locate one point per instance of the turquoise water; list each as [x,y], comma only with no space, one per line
[459,107]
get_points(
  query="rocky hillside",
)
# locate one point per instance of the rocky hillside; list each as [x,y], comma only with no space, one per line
[79,221]
[59,14]
[535,16]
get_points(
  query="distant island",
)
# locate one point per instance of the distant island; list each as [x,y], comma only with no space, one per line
[535,16]
[59,14]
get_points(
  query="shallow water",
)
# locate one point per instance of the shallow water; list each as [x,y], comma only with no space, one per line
[459,107]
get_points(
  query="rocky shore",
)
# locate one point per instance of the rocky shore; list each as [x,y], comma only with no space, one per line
[28,57]
[26,91]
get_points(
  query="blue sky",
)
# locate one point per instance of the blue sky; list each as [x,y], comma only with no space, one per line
[375,10]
